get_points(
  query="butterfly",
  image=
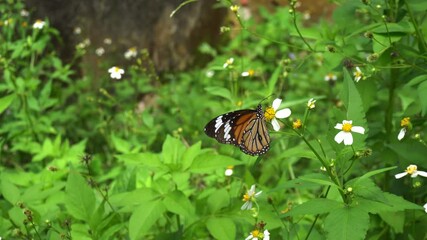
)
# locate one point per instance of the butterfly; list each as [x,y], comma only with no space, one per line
[246,129]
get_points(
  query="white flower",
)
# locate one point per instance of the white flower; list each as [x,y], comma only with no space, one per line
[330,77]
[311,103]
[256,235]
[228,63]
[229,171]
[358,74]
[401,134]
[271,113]
[345,134]
[38,24]
[411,170]
[425,207]
[249,197]
[210,73]
[77,30]
[116,72]
[24,13]
[130,53]
[108,41]
[248,73]
[100,51]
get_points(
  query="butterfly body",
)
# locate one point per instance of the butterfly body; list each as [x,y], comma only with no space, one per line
[246,129]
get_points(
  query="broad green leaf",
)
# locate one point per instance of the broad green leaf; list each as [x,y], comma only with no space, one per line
[80,198]
[6,101]
[144,217]
[410,151]
[127,201]
[395,219]
[392,203]
[209,162]
[355,112]
[315,206]
[403,27]
[141,159]
[172,151]
[325,182]
[189,155]
[121,145]
[221,228]
[178,203]
[347,223]
[9,191]
[218,199]
[220,91]
[417,80]
[422,93]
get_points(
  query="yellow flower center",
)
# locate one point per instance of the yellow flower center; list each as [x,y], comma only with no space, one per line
[246,197]
[405,122]
[297,124]
[234,8]
[346,127]
[255,233]
[251,72]
[269,113]
[116,69]
[411,169]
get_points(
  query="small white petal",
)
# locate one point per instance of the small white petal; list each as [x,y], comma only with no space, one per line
[249,237]
[245,206]
[276,103]
[348,138]
[425,207]
[400,175]
[257,194]
[358,129]
[283,113]
[275,124]
[338,126]
[422,173]
[339,137]
[251,190]
[266,235]
[401,134]
[414,175]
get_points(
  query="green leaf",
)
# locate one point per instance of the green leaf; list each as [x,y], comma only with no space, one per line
[417,80]
[189,155]
[144,217]
[347,223]
[143,159]
[178,203]
[422,93]
[321,181]
[273,79]
[373,173]
[9,191]
[121,145]
[391,203]
[355,112]
[6,101]
[221,228]
[395,219]
[172,150]
[220,91]
[208,162]
[218,199]
[80,199]
[315,206]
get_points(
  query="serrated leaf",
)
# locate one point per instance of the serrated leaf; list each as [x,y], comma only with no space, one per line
[208,162]
[172,150]
[395,219]
[80,198]
[221,228]
[315,206]
[373,173]
[391,203]
[189,155]
[325,181]
[144,217]
[347,223]
[9,191]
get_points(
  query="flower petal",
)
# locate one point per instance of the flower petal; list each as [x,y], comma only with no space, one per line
[245,206]
[425,207]
[266,235]
[257,194]
[400,175]
[339,137]
[251,190]
[284,113]
[249,237]
[401,134]
[422,173]
[276,103]
[275,124]
[348,138]
[338,126]
[358,129]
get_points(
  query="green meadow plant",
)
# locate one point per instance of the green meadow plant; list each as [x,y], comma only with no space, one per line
[122,154]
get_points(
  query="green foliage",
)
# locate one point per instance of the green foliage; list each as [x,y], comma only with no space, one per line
[83,156]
